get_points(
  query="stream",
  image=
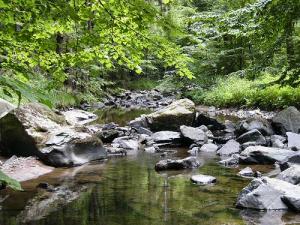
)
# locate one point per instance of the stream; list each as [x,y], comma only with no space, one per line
[128,191]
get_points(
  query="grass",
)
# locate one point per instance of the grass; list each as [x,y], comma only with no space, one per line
[240,92]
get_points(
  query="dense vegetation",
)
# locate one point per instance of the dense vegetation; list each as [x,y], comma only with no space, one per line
[233,53]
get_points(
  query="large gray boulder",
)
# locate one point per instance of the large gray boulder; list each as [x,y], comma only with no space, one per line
[171,164]
[291,175]
[260,124]
[268,194]
[264,155]
[287,120]
[35,130]
[167,137]
[252,136]
[293,140]
[210,147]
[231,147]
[289,161]
[193,135]
[181,112]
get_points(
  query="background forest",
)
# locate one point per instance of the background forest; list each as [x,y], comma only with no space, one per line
[218,52]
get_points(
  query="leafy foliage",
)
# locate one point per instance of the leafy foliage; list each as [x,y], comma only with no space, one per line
[7,181]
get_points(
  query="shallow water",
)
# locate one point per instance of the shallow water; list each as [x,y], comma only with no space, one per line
[128,191]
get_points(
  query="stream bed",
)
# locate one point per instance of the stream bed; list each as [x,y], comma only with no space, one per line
[128,191]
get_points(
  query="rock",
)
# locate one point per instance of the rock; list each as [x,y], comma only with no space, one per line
[194,151]
[151,149]
[211,123]
[126,143]
[293,141]
[143,130]
[203,179]
[291,175]
[22,169]
[108,136]
[260,124]
[5,107]
[246,172]
[264,155]
[231,161]
[45,186]
[229,126]
[277,141]
[253,136]
[209,148]
[169,164]
[288,120]
[139,122]
[35,130]
[268,194]
[167,137]
[181,112]
[289,161]
[76,116]
[193,135]
[70,148]
[231,147]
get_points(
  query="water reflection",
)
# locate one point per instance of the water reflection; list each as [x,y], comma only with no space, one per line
[128,191]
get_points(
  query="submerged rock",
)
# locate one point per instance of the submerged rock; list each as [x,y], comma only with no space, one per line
[231,147]
[203,179]
[288,120]
[264,155]
[22,169]
[181,112]
[170,164]
[268,194]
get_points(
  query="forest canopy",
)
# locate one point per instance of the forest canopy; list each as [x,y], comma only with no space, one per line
[58,48]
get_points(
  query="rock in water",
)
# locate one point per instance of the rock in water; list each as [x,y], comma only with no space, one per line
[262,125]
[203,179]
[193,135]
[167,137]
[264,155]
[209,148]
[293,141]
[76,116]
[181,112]
[211,123]
[289,161]
[35,130]
[287,120]
[231,147]
[268,194]
[170,164]
[246,172]
[253,136]
[291,175]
